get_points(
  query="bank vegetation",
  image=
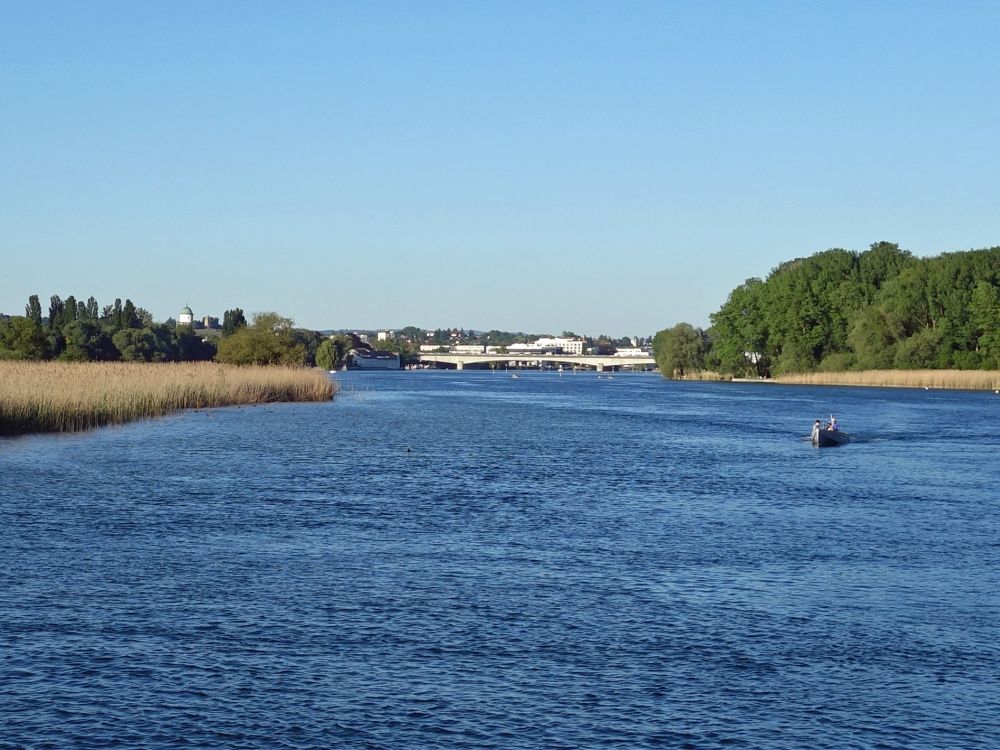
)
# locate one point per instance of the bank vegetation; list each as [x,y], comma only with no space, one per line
[972,380]
[70,396]
[877,317]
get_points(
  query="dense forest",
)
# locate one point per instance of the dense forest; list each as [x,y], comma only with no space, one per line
[83,332]
[841,310]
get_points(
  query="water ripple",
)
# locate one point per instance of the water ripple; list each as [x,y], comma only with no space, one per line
[443,561]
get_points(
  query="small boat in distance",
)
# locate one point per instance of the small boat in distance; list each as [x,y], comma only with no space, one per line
[825,436]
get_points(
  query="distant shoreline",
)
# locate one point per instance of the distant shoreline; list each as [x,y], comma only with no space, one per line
[966,380]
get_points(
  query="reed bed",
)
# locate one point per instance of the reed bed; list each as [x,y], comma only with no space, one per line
[710,375]
[65,397]
[970,380]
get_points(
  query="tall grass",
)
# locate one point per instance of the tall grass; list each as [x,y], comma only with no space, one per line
[704,375]
[64,396]
[972,380]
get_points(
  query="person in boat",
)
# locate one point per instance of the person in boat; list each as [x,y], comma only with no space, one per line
[833,423]
[815,432]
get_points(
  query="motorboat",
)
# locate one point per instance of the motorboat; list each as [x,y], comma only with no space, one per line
[825,437]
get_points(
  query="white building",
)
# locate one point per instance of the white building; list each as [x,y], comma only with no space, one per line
[185,317]
[549,344]
[367,360]
[568,346]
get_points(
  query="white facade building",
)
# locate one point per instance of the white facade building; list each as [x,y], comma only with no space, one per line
[553,344]
[568,346]
[366,360]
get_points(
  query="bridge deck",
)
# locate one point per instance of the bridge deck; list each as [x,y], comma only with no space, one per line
[599,362]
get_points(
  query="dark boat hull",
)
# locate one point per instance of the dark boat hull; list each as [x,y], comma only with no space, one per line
[829,438]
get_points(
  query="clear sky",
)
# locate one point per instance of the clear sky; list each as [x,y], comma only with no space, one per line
[606,167]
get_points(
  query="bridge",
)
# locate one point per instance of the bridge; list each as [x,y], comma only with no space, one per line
[599,362]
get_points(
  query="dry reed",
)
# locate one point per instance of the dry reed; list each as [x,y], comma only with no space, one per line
[971,380]
[710,375]
[64,397]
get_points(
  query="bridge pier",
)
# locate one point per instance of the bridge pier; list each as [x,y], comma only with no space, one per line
[460,365]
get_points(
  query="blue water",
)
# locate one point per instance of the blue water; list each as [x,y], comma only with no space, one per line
[464,560]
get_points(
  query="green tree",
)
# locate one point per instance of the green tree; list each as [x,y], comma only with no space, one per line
[232,320]
[191,347]
[326,355]
[269,340]
[308,340]
[56,308]
[143,318]
[249,346]
[882,262]
[935,313]
[881,308]
[129,319]
[984,311]
[919,351]
[807,305]
[33,310]
[136,344]
[87,341]
[740,333]
[70,311]
[873,339]
[23,338]
[680,350]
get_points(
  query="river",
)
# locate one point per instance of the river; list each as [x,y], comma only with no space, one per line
[467,560]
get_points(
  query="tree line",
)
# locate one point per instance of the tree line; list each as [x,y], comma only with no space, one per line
[74,331]
[842,310]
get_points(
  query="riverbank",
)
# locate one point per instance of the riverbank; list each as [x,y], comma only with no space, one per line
[968,380]
[66,397]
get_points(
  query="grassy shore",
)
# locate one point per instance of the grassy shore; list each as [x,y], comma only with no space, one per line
[972,380]
[709,375]
[64,397]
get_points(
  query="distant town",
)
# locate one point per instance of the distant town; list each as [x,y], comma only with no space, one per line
[84,331]
[411,340]
[459,341]
[413,347]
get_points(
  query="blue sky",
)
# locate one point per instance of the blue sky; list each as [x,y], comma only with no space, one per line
[612,167]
